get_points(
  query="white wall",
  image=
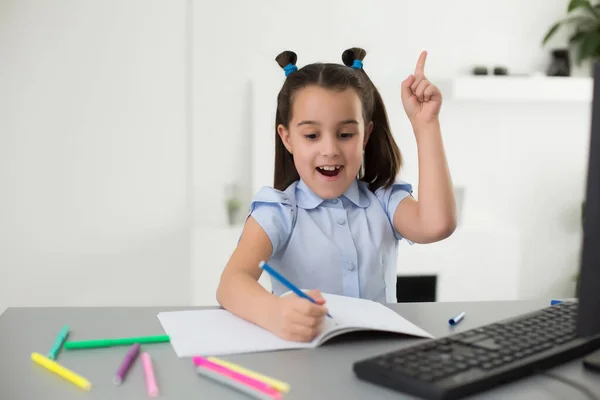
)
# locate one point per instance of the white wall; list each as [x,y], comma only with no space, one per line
[492,155]
[94,171]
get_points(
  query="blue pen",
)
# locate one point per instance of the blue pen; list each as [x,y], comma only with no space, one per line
[555,302]
[60,339]
[287,283]
[455,320]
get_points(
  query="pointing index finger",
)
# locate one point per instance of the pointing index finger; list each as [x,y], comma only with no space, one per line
[420,68]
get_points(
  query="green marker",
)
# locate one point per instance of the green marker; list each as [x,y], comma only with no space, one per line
[90,344]
[58,343]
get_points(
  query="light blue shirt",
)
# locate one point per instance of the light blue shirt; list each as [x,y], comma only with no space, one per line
[346,246]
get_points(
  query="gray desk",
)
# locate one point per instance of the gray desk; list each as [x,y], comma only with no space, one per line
[324,373]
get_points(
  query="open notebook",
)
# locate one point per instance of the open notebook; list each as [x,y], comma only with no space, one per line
[218,332]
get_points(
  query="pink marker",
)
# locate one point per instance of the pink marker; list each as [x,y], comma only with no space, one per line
[149,373]
[258,385]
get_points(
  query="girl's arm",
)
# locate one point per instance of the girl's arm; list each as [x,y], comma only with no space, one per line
[433,216]
[239,290]
[289,317]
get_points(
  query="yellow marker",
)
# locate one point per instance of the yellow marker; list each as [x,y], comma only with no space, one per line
[274,383]
[61,371]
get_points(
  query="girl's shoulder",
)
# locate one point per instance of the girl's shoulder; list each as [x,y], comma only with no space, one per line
[275,211]
[390,197]
[270,195]
[397,189]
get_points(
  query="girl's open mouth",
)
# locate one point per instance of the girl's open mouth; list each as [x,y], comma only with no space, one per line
[330,170]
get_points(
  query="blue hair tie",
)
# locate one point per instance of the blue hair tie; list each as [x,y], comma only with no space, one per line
[357,64]
[289,69]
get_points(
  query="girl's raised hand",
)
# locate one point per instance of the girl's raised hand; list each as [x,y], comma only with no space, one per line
[421,99]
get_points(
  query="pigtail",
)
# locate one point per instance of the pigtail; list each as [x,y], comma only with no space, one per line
[284,169]
[287,60]
[382,158]
[355,53]
[286,57]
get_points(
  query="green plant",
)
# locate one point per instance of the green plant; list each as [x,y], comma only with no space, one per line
[585,18]
[233,204]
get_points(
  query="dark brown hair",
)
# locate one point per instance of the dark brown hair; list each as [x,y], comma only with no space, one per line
[382,159]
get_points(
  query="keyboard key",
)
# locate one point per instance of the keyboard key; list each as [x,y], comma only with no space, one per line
[474,339]
[489,344]
[487,365]
[461,366]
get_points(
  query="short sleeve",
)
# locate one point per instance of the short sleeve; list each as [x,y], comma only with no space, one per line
[274,211]
[390,198]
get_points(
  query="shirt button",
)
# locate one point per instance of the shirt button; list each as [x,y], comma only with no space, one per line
[334,201]
[341,221]
[350,266]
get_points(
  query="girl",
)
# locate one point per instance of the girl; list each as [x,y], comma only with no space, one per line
[333,220]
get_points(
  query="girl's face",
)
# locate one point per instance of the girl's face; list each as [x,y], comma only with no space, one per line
[326,136]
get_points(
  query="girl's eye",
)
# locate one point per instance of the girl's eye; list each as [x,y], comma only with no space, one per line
[346,135]
[311,136]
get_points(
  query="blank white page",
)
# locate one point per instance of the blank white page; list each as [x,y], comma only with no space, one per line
[218,332]
[349,312]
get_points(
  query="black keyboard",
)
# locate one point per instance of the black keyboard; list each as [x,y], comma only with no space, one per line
[479,359]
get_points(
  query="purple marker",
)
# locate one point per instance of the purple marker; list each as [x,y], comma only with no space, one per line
[126,364]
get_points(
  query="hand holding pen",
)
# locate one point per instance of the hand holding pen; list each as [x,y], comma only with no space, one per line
[296,318]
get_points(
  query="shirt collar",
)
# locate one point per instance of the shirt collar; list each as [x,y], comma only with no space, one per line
[307,199]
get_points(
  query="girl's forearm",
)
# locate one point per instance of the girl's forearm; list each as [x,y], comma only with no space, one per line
[437,207]
[245,297]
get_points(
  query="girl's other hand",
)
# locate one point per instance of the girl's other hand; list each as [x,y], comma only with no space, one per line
[421,99]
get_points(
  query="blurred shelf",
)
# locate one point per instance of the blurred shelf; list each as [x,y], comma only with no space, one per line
[520,88]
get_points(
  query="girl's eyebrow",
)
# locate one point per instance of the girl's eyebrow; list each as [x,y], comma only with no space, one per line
[308,123]
[344,122]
